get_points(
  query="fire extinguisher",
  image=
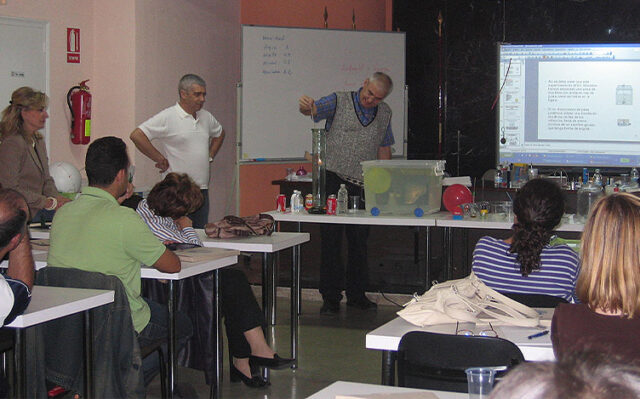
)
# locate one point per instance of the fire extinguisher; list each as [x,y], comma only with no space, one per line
[79,102]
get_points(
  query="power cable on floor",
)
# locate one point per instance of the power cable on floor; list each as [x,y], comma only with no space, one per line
[389,300]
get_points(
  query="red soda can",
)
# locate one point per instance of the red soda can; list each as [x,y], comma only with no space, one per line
[281,203]
[332,204]
[308,201]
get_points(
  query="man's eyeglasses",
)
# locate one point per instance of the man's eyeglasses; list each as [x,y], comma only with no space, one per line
[484,333]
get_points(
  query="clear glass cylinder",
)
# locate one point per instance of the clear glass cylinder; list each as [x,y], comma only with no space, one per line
[587,195]
[319,173]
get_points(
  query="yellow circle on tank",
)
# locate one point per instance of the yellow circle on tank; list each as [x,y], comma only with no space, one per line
[377,180]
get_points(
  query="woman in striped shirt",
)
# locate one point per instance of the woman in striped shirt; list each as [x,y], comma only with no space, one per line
[525,263]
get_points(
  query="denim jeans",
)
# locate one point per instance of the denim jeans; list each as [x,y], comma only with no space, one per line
[158,328]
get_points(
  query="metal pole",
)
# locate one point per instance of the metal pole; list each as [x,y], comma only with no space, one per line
[172,339]
[88,355]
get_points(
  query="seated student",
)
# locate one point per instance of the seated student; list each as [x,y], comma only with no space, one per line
[608,318]
[584,375]
[94,233]
[15,288]
[164,211]
[525,262]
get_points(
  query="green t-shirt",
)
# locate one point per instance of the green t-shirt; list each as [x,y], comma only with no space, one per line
[96,234]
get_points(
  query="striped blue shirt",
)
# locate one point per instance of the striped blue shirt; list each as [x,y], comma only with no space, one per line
[327,108]
[165,229]
[498,269]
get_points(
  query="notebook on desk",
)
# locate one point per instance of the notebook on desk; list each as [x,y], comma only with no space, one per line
[200,254]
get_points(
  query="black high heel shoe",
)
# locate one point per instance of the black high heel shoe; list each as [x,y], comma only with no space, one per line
[275,363]
[236,375]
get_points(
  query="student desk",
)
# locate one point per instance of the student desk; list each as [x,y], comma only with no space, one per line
[190,269]
[362,390]
[387,339]
[48,303]
[267,245]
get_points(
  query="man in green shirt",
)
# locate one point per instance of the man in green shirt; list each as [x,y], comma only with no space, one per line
[94,233]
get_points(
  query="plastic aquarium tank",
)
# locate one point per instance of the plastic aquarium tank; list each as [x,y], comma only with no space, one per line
[403,187]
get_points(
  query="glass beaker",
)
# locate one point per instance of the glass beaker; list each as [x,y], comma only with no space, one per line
[319,172]
[587,195]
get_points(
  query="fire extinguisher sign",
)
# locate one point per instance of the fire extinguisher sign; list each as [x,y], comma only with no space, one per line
[73,45]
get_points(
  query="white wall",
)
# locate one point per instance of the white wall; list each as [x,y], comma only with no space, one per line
[190,36]
[134,52]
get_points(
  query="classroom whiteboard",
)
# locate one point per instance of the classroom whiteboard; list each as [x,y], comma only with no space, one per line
[281,64]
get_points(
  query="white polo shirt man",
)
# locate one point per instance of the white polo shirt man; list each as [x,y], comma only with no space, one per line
[190,138]
[185,140]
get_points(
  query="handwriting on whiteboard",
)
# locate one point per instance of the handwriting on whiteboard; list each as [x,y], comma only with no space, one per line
[276,55]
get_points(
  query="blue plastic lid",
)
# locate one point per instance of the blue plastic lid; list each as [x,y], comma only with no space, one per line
[457,217]
[375,211]
[418,212]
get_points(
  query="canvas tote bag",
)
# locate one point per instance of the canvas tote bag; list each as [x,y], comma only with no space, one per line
[467,300]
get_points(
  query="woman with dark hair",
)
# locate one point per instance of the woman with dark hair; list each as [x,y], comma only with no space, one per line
[608,318]
[525,263]
[164,211]
[23,155]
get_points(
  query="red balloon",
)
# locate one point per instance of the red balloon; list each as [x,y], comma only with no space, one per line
[455,195]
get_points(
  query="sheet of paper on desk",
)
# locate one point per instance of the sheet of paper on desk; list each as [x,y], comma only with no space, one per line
[399,395]
[199,254]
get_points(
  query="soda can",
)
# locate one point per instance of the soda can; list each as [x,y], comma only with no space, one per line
[308,201]
[332,204]
[281,203]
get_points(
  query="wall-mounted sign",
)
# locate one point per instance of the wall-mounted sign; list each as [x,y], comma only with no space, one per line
[73,45]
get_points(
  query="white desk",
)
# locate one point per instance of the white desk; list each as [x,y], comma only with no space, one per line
[39,233]
[359,217]
[494,221]
[387,339]
[48,303]
[269,245]
[226,258]
[39,258]
[491,221]
[362,390]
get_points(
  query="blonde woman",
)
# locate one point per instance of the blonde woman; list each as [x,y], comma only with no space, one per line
[608,286]
[23,155]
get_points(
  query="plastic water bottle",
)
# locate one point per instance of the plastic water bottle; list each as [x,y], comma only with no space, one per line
[343,197]
[597,178]
[497,179]
[635,175]
[296,202]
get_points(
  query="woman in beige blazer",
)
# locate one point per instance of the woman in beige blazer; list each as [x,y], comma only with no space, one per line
[23,155]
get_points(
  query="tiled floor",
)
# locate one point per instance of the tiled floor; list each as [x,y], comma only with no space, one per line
[331,348]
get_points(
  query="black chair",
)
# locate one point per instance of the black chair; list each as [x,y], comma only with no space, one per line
[535,300]
[438,361]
